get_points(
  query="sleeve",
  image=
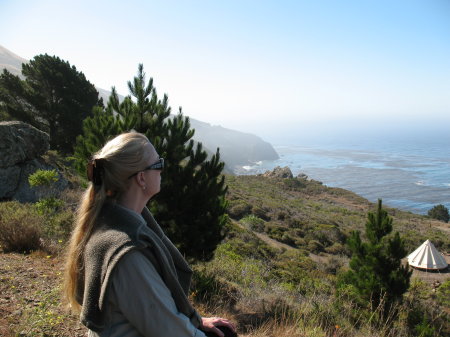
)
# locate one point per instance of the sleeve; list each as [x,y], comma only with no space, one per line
[145,301]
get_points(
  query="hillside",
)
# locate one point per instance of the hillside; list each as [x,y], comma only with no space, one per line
[299,211]
[274,274]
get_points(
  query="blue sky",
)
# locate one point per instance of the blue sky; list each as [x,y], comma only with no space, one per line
[268,67]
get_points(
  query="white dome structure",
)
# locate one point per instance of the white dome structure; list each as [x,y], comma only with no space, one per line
[427,257]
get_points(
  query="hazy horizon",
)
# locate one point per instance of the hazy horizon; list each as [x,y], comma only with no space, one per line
[279,70]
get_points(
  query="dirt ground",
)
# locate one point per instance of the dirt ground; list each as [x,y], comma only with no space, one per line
[30,299]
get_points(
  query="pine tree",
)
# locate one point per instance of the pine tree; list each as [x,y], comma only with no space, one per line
[54,97]
[191,204]
[376,270]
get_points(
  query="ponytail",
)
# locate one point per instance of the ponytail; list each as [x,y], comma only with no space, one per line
[87,214]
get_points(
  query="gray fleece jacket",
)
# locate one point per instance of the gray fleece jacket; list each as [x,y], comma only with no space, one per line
[115,234]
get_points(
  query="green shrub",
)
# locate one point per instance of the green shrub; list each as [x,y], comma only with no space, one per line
[439,212]
[253,223]
[20,228]
[246,245]
[261,213]
[274,231]
[47,206]
[238,209]
[288,239]
[424,328]
[337,249]
[293,184]
[247,272]
[281,215]
[332,265]
[300,242]
[294,267]
[443,294]
[294,223]
[43,178]
[315,246]
[212,290]
[59,226]
[42,181]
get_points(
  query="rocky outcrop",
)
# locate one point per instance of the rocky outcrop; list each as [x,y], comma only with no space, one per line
[279,172]
[21,148]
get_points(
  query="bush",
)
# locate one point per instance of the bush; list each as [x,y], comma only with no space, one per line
[43,178]
[59,226]
[294,223]
[246,271]
[293,184]
[254,223]
[332,265]
[300,242]
[439,212]
[294,267]
[246,245]
[443,294]
[20,228]
[281,215]
[208,287]
[260,213]
[48,205]
[337,249]
[239,209]
[288,239]
[24,229]
[42,181]
[315,246]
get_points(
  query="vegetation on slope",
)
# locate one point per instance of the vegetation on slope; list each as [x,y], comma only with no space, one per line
[274,274]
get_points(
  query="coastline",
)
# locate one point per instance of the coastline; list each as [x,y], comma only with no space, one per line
[414,180]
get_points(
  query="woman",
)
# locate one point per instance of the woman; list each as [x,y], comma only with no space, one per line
[123,275]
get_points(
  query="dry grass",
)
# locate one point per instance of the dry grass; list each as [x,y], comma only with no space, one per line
[20,228]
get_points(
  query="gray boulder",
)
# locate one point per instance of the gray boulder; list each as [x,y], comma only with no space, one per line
[20,142]
[21,148]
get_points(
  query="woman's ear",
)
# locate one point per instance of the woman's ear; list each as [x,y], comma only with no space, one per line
[140,179]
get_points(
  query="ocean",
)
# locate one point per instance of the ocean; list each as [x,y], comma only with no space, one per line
[411,173]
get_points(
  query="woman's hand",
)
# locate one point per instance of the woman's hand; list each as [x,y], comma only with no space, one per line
[210,323]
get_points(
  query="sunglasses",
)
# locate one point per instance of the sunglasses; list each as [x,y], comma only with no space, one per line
[159,165]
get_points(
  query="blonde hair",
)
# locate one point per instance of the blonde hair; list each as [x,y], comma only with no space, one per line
[121,157]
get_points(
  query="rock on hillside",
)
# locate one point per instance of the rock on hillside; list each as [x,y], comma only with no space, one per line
[21,146]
